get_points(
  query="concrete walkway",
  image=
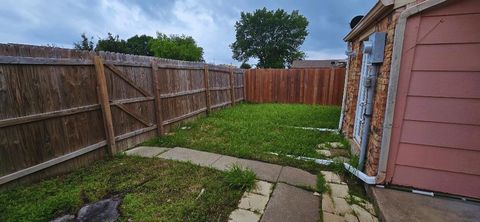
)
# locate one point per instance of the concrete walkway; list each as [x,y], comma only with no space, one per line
[286,203]
[405,206]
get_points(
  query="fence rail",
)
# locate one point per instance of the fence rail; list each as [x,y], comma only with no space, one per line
[308,86]
[62,109]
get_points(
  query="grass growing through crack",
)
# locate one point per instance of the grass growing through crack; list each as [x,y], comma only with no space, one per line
[251,131]
[238,178]
[152,190]
[322,186]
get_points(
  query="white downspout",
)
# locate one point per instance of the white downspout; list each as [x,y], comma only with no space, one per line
[345,84]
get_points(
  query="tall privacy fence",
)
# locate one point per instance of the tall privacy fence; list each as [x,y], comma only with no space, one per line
[62,109]
[308,86]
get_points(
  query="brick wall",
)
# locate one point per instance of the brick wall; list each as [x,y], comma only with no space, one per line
[387,24]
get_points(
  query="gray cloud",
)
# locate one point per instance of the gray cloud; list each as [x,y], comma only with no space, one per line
[210,22]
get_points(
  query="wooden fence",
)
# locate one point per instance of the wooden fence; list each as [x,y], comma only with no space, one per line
[308,86]
[62,109]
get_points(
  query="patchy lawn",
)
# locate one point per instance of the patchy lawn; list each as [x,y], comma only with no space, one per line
[152,189]
[253,130]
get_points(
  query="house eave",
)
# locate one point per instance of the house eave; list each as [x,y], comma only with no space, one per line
[380,10]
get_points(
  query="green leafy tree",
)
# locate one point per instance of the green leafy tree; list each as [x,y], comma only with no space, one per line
[84,44]
[245,65]
[272,37]
[179,47]
[112,44]
[138,45]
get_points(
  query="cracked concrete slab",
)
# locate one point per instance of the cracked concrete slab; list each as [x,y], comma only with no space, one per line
[146,151]
[331,177]
[289,203]
[253,202]
[240,215]
[196,157]
[263,188]
[335,205]
[297,177]
[225,163]
[339,190]
[264,171]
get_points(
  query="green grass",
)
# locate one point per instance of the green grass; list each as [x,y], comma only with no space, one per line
[239,178]
[152,190]
[253,130]
[322,186]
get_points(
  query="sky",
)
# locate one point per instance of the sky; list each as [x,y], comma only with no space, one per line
[209,22]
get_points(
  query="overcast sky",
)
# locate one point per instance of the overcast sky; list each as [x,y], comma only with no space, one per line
[210,22]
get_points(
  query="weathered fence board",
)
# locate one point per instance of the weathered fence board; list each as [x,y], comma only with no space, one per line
[62,109]
[309,86]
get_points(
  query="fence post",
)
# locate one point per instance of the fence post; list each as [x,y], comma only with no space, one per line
[102,94]
[331,86]
[158,100]
[207,88]
[232,87]
[244,76]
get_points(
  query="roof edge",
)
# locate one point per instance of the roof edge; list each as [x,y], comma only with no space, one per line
[381,8]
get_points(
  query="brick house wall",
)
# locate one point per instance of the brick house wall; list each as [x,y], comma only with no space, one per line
[387,24]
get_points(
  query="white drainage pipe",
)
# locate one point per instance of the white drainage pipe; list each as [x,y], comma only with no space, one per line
[316,129]
[359,174]
[431,194]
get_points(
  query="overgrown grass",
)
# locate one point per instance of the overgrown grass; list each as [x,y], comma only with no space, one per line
[239,178]
[152,190]
[322,186]
[253,130]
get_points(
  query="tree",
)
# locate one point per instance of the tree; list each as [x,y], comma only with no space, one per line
[273,37]
[112,44]
[245,65]
[179,47]
[85,43]
[138,45]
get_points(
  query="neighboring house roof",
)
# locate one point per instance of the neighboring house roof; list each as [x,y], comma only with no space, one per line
[318,63]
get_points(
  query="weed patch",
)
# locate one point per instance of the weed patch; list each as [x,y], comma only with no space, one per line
[238,178]
[322,186]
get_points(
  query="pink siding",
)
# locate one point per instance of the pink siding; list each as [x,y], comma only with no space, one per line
[436,130]
[459,84]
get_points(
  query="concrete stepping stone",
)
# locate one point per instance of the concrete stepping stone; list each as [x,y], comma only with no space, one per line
[240,215]
[289,203]
[297,177]
[339,190]
[146,151]
[335,205]
[262,188]
[331,177]
[363,215]
[253,202]
[328,217]
[225,163]
[264,171]
[196,157]
[326,153]
[350,218]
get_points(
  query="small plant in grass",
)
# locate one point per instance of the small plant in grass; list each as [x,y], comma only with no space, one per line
[322,185]
[238,178]
[352,199]
[354,161]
